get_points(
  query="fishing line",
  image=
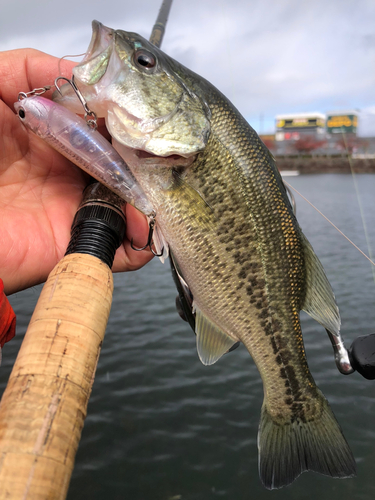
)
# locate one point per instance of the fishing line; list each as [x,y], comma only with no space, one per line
[358,200]
[332,224]
[64,57]
[225,33]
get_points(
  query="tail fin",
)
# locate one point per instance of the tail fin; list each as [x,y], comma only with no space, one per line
[286,450]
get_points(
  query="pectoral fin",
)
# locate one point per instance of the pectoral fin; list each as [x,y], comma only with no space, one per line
[212,342]
[319,301]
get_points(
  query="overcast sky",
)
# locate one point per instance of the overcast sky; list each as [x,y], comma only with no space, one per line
[267,56]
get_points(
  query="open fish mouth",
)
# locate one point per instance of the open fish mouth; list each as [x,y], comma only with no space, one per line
[101,38]
[90,70]
[95,62]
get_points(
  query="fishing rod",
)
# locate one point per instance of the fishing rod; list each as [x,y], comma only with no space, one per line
[362,350]
[44,405]
[158,30]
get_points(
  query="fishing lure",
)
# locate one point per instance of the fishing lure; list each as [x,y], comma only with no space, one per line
[78,141]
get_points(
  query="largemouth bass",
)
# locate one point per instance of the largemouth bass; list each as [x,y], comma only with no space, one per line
[236,245]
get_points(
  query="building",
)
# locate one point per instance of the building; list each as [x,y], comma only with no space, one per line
[293,127]
[342,122]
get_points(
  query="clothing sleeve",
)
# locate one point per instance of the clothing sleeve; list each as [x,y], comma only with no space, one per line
[7,318]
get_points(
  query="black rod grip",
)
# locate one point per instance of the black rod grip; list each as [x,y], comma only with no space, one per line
[99,225]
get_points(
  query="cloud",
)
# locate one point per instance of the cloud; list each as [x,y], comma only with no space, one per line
[366,122]
[267,56]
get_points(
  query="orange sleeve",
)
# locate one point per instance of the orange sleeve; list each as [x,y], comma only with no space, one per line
[7,318]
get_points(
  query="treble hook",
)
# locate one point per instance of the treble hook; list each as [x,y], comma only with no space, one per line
[149,239]
[90,116]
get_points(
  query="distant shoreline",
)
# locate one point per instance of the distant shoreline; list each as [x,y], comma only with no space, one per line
[325,164]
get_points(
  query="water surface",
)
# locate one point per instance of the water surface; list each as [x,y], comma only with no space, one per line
[161,426]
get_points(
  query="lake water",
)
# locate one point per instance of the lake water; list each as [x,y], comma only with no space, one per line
[161,426]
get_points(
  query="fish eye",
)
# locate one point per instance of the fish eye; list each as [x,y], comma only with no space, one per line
[21,113]
[144,59]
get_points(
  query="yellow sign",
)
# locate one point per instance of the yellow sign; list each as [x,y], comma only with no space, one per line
[341,121]
[300,122]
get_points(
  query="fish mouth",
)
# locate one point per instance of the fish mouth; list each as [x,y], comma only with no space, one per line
[101,39]
[95,62]
[90,70]
[142,154]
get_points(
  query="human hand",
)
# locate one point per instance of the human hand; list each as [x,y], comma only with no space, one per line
[40,190]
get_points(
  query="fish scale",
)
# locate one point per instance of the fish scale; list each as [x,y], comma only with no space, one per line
[223,212]
[251,299]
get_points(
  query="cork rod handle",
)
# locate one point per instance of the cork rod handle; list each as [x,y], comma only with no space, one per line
[44,405]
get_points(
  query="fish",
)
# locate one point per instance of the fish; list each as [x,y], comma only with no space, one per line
[244,267]
[71,136]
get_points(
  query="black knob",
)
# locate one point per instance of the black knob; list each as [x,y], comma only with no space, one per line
[362,356]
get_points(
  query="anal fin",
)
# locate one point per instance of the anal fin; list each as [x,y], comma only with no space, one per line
[320,301]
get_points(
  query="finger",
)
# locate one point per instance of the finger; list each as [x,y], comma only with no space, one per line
[23,70]
[137,226]
[128,259]
[137,233]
